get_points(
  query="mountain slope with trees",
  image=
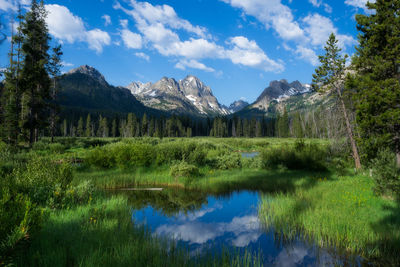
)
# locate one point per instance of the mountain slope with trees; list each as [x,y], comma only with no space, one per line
[86,88]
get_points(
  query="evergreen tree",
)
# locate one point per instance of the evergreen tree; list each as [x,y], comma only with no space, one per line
[189,132]
[239,128]
[246,131]
[297,126]
[54,71]
[10,99]
[377,81]
[145,126]
[158,129]
[36,80]
[151,127]
[233,128]
[114,128]
[259,130]
[88,129]
[130,128]
[330,75]
[80,131]
[252,127]
[99,132]
[64,128]
[283,124]
[103,130]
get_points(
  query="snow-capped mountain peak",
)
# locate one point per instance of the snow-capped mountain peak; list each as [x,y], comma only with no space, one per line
[189,95]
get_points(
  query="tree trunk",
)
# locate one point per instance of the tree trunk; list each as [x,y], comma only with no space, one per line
[349,131]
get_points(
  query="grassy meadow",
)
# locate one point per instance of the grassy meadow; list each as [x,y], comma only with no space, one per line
[308,187]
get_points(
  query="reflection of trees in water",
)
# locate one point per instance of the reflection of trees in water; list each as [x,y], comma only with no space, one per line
[169,202]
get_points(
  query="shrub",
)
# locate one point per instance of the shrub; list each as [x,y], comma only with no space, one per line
[184,169]
[82,193]
[41,178]
[197,157]
[40,145]
[252,163]
[57,148]
[299,156]
[169,152]
[229,161]
[19,218]
[386,173]
[100,157]
[133,155]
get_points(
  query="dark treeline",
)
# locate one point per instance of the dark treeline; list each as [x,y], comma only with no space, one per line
[316,123]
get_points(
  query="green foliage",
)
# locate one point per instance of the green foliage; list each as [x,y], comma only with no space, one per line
[57,148]
[329,74]
[42,179]
[300,156]
[184,169]
[386,174]
[342,212]
[376,83]
[19,218]
[137,155]
[101,157]
[228,161]
[252,163]
[40,145]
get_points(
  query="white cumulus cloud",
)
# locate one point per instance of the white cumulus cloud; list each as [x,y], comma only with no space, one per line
[271,13]
[194,64]
[318,28]
[307,54]
[12,5]
[143,55]
[306,35]
[107,20]
[248,53]
[74,30]
[158,27]
[146,13]
[358,3]
[97,39]
[131,40]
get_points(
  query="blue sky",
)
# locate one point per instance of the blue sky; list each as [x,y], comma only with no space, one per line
[235,46]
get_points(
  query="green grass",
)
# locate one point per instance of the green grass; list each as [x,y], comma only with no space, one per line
[211,180]
[339,212]
[336,211]
[102,234]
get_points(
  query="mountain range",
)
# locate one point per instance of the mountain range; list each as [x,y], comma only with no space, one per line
[189,95]
[86,88]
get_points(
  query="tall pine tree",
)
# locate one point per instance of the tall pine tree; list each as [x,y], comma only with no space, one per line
[36,81]
[54,68]
[330,75]
[377,80]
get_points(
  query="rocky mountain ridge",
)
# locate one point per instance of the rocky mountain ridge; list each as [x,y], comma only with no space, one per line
[237,106]
[280,91]
[189,95]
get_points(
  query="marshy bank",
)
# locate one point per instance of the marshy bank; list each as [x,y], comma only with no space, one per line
[295,194]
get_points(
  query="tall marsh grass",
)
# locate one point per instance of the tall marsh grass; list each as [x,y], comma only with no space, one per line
[103,234]
[340,212]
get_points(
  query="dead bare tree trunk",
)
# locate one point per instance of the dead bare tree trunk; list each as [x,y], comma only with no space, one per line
[349,130]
